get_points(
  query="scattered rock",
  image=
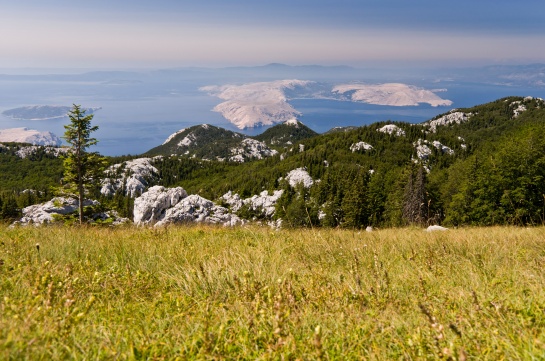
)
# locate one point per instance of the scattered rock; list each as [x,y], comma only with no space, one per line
[453,117]
[436,228]
[264,203]
[251,149]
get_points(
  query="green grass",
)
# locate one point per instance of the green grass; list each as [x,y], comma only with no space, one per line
[256,294]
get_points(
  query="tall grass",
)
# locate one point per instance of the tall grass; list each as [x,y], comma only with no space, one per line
[252,293]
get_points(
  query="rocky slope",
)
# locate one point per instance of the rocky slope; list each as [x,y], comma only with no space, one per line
[213,143]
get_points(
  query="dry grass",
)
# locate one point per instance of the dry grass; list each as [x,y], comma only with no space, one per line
[252,293]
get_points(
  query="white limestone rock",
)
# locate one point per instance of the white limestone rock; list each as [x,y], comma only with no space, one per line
[423,152]
[26,152]
[299,175]
[264,203]
[443,148]
[360,146]
[519,108]
[133,176]
[453,117]
[233,200]
[436,228]
[152,205]
[160,206]
[44,213]
[392,129]
[173,135]
[251,149]
[195,208]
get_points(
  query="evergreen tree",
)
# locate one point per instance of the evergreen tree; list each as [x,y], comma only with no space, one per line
[415,207]
[82,169]
[353,203]
[9,209]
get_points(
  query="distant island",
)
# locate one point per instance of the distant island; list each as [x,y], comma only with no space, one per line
[34,137]
[266,103]
[42,112]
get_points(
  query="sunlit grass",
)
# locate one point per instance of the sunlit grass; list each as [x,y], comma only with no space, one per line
[253,293]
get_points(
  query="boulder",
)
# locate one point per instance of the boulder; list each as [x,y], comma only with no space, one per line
[161,206]
[152,205]
[436,228]
[195,208]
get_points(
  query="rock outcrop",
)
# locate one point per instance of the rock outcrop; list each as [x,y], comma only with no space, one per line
[299,175]
[47,212]
[392,129]
[160,206]
[133,177]
[360,146]
[263,203]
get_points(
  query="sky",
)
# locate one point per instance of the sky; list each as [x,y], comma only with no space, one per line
[176,33]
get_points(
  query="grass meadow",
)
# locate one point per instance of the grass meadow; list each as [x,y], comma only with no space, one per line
[211,293]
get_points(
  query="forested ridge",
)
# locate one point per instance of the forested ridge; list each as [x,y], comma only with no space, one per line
[484,169]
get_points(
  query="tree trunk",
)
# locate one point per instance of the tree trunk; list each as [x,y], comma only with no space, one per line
[80,198]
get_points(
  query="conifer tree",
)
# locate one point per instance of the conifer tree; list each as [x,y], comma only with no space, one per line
[9,209]
[82,169]
[414,202]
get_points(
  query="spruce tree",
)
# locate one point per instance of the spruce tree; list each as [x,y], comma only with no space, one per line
[82,169]
[414,201]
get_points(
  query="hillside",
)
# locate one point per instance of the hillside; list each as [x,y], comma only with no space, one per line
[212,143]
[286,134]
[398,173]
[482,165]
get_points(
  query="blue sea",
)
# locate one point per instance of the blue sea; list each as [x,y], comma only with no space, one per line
[139,115]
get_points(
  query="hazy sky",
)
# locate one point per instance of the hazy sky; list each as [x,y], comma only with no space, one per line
[168,33]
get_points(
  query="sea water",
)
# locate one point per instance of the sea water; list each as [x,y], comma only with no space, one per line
[136,116]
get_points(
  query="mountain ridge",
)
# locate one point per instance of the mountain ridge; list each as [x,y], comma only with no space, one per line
[482,165]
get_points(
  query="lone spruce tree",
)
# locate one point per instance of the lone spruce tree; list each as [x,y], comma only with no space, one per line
[82,169]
